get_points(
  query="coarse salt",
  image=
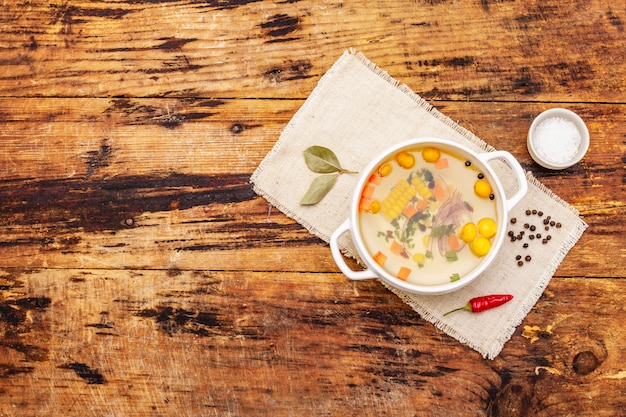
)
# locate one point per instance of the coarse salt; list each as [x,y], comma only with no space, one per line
[557,140]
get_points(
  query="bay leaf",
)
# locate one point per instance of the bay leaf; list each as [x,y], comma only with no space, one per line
[319,188]
[321,160]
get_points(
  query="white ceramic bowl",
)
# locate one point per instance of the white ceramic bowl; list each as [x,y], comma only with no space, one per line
[553,146]
[480,161]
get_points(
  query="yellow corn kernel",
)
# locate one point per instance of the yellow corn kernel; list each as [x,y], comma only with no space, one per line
[421,188]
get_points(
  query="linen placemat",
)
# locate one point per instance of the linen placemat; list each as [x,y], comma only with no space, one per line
[358,110]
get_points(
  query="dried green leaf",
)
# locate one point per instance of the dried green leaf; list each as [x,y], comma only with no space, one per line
[321,160]
[319,188]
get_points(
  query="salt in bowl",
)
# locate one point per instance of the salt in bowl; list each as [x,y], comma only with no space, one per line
[557,139]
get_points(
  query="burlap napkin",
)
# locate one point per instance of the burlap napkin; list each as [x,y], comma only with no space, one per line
[358,110]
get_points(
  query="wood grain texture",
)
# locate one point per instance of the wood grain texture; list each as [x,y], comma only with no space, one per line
[141,276]
[251,49]
[221,343]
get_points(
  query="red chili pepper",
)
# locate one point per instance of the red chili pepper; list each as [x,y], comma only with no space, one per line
[486,302]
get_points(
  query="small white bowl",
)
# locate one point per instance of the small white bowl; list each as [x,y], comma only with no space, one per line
[562,143]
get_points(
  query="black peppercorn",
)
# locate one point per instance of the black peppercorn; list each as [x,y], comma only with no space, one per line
[513,220]
[468,163]
[528,212]
[491,196]
[527,258]
[558,225]
[525,245]
[520,263]
[531,237]
[518,257]
[532,228]
[481,176]
[540,213]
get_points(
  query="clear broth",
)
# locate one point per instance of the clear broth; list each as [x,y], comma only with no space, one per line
[411,218]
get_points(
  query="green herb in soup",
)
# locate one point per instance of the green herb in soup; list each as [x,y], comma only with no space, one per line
[427,216]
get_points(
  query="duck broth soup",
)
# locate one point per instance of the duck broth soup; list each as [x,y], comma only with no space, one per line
[427,216]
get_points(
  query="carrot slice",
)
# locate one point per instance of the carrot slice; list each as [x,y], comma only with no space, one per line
[439,192]
[422,205]
[409,211]
[375,179]
[396,247]
[403,273]
[364,205]
[441,163]
[380,258]
[454,243]
[368,191]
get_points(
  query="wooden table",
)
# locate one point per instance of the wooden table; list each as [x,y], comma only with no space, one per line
[141,276]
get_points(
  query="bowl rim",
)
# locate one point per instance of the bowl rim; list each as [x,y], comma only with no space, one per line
[501,209]
[568,115]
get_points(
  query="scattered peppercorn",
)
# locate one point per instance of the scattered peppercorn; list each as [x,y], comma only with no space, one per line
[481,176]
[548,222]
[468,163]
[491,196]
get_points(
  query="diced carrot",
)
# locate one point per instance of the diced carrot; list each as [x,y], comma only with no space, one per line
[375,179]
[396,247]
[422,205]
[454,243]
[368,191]
[439,192]
[441,163]
[403,273]
[364,204]
[380,258]
[409,211]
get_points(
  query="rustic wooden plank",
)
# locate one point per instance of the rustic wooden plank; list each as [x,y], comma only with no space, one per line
[486,50]
[140,342]
[99,183]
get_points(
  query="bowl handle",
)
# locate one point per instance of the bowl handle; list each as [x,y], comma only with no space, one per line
[517,170]
[339,260]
